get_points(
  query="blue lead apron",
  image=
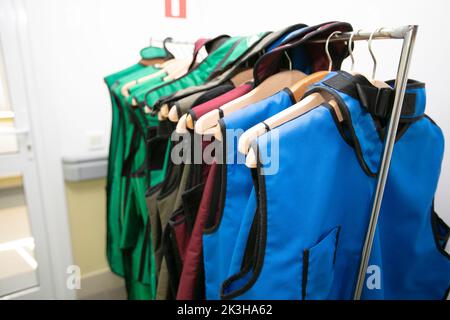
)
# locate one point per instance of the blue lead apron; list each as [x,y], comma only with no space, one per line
[311,217]
[409,245]
[218,238]
[305,57]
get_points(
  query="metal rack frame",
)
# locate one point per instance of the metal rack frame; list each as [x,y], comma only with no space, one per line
[408,34]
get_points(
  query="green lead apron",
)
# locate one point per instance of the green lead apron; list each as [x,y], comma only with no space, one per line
[128,228]
[142,265]
[146,53]
[137,228]
[120,263]
[133,243]
[115,167]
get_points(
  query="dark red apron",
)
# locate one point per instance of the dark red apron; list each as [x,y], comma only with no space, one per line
[190,229]
[190,286]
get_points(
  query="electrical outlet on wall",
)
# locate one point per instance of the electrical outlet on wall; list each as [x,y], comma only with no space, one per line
[95,140]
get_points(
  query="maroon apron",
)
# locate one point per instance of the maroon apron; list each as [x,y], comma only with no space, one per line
[190,286]
[190,230]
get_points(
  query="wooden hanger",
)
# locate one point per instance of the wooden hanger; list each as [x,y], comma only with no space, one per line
[162,66]
[171,67]
[307,104]
[152,62]
[182,104]
[177,71]
[279,86]
[174,67]
[190,122]
[300,108]
[173,114]
[175,74]
[164,111]
[242,77]
[298,90]
[237,80]
[132,83]
[268,87]
[181,125]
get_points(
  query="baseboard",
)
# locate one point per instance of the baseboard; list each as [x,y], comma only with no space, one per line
[101,285]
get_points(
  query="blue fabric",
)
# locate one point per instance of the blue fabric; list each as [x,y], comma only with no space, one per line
[418,90]
[299,200]
[284,39]
[404,248]
[322,187]
[421,101]
[363,126]
[299,57]
[218,245]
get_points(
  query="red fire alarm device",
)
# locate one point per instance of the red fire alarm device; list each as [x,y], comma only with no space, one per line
[176,9]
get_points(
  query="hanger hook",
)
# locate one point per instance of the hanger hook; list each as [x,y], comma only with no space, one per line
[289,60]
[165,41]
[374,59]
[327,51]
[350,49]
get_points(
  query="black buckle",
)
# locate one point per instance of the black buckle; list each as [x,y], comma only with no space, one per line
[378,101]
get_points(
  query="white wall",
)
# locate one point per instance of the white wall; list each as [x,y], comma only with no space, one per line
[76,43]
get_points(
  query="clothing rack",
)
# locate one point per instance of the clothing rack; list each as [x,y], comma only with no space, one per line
[408,34]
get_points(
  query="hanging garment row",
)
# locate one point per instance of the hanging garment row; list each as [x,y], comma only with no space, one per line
[250,174]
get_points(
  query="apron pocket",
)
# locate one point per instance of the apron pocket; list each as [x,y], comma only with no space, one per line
[318,267]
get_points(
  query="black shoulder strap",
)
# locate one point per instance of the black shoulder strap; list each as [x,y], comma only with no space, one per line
[378,101]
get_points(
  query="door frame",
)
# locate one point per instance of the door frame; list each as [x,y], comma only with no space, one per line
[42,174]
